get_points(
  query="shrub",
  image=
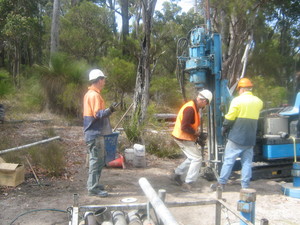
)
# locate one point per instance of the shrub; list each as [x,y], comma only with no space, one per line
[31,98]
[6,85]
[163,91]
[63,83]
[50,158]
[162,145]
[133,130]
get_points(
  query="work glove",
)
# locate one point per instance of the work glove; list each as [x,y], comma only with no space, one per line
[227,124]
[113,107]
[201,139]
[225,131]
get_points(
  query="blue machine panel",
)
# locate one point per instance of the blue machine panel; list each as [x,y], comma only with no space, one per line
[280,151]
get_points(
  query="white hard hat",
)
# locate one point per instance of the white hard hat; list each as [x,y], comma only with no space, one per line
[205,94]
[95,73]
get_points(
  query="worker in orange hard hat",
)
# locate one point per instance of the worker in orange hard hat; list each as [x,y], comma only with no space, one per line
[244,82]
[241,124]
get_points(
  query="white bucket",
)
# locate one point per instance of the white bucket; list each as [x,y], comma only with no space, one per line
[139,158]
[129,154]
[139,150]
[139,161]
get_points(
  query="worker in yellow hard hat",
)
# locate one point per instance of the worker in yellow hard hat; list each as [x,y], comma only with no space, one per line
[241,124]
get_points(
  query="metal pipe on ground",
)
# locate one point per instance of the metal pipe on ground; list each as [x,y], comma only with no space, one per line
[134,218]
[157,204]
[119,218]
[29,145]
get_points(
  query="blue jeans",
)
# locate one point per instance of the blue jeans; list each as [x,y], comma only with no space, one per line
[97,152]
[232,151]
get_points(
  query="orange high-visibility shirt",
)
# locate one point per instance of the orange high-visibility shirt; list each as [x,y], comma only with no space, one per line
[178,132]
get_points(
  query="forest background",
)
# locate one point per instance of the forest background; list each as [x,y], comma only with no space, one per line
[48,47]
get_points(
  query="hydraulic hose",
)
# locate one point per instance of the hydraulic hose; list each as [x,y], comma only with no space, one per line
[37,210]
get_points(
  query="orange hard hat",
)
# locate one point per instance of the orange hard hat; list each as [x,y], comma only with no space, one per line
[244,82]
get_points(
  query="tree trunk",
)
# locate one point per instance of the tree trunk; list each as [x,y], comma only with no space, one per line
[141,95]
[112,8]
[16,66]
[125,24]
[125,18]
[55,27]
[2,56]
[136,24]
[74,2]
[236,28]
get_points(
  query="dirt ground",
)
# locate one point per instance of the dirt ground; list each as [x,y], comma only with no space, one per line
[32,204]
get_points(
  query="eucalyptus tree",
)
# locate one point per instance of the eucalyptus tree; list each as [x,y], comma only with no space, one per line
[269,30]
[55,27]
[277,38]
[235,20]
[20,34]
[169,26]
[144,72]
[121,77]
[86,32]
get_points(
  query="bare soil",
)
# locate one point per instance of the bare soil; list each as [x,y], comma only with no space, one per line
[30,204]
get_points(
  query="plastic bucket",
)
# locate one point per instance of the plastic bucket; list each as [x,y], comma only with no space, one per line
[139,150]
[129,154]
[139,161]
[111,143]
[139,157]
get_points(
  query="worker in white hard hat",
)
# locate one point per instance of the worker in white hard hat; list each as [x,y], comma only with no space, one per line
[96,124]
[185,133]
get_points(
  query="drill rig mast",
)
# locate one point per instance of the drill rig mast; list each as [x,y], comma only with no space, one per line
[203,64]
[200,56]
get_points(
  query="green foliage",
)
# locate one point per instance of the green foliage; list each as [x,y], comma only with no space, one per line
[85,29]
[31,98]
[18,27]
[133,130]
[69,99]
[64,84]
[121,75]
[50,158]
[28,98]
[6,85]
[271,94]
[160,145]
[164,91]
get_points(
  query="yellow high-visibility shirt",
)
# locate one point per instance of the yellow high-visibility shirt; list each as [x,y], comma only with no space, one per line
[243,113]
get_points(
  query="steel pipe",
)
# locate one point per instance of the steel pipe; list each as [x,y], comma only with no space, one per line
[29,145]
[157,204]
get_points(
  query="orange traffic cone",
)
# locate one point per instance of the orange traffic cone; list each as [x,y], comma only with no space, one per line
[117,163]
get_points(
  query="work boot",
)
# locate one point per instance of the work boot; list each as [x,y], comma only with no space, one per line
[214,186]
[98,193]
[176,178]
[100,187]
[186,187]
